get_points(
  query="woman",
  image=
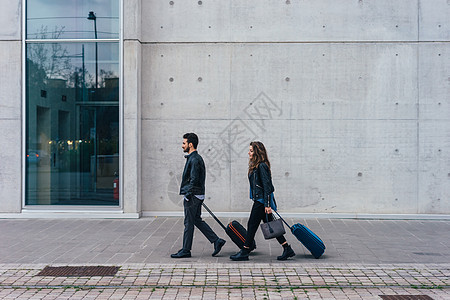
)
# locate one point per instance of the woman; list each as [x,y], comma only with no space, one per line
[261,192]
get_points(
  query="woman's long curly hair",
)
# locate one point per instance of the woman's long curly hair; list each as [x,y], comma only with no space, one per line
[259,156]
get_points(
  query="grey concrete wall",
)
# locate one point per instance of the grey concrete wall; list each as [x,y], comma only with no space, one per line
[10,106]
[351,98]
[131,172]
[10,20]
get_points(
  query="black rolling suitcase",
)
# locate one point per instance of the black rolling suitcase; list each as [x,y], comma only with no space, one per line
[234,230]
[308,238]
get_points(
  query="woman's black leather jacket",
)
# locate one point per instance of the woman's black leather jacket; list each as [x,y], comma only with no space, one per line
[261,183]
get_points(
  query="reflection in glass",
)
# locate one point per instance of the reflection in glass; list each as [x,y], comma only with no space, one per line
[72,124]
[49,19]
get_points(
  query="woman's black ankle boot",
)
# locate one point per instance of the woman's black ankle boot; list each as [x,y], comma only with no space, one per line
[287,252]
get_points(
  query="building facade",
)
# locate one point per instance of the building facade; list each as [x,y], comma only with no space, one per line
[351,99]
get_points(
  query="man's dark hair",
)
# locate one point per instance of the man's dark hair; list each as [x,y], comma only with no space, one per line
[191,138]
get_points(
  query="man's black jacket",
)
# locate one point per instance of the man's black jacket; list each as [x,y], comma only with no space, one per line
[194,174]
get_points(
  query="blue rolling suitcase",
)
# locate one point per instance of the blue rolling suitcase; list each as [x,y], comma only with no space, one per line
[308,238]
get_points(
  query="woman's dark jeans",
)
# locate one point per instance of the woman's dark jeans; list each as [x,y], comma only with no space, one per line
[257,215]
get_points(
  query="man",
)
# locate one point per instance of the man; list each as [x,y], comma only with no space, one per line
[193,189]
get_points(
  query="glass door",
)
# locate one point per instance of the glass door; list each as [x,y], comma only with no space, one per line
[72,103]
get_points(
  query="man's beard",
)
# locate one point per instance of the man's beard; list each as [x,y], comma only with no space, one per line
[187,149]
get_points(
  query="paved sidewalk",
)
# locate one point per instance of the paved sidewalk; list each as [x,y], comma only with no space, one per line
[363,260]
[226,281]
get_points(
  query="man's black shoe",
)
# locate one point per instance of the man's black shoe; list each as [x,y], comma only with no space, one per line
[181,254]
[234,255]
[218,244]
[241,255]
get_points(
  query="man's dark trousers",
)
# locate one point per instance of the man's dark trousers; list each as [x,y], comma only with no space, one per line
[192,217]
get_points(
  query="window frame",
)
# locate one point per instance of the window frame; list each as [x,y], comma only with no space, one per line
[25,42]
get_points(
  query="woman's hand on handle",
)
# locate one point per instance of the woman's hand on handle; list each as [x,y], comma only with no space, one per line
[268,210]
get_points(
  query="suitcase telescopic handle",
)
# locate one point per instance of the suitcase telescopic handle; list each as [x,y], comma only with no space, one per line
[283,220]
[214,216]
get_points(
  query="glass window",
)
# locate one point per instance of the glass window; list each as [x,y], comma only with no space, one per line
[72,116]
[74,19]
